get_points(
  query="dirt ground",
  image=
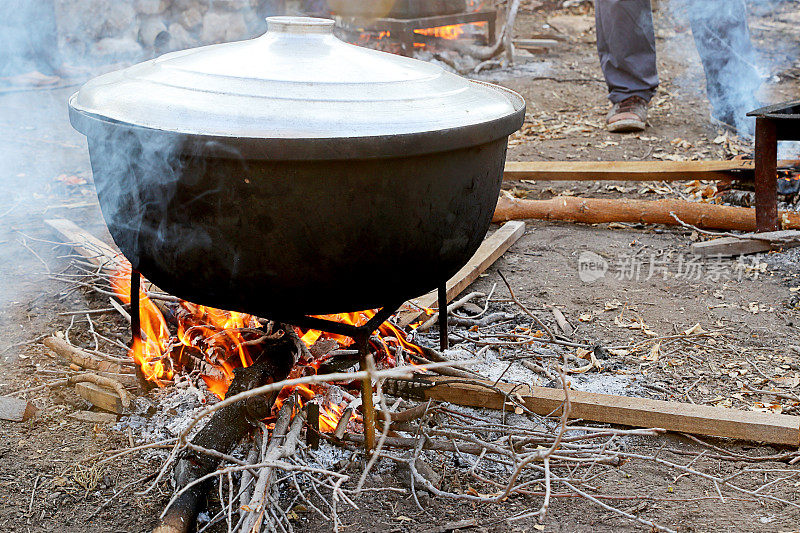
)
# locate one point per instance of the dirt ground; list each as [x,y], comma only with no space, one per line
[49,481]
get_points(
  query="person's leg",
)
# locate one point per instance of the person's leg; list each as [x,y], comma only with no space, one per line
[723,42]
[626,44]
[40,20]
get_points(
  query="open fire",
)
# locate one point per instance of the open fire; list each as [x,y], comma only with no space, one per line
[405,34]
[450,32]
[216,342]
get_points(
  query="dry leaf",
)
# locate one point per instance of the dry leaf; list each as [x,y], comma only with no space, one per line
[655,353]
[695,330]
[70,179]
[612,304]
[619,352]
[767,407]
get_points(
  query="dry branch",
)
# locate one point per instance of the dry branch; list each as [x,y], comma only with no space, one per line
[596,211]
[103,381]
[503,42]
[282,445]
[83,359]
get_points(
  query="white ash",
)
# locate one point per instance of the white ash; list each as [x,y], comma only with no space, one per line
[328,456]
[164,413]
[603,383]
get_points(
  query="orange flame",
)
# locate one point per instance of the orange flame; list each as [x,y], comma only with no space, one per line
[148,354]
[216,334]
[219,338]
[450,33]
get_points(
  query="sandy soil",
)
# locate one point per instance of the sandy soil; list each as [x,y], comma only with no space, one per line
[47,483]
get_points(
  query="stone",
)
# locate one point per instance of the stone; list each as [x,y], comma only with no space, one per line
[190,18]
[232,5]
[182,5]
[151,7]
[73,22]
[153,31]
[222,27]
[119,17]
[181,39]
[118,48]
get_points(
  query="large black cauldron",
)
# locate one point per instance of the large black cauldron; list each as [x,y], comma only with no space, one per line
[245,198]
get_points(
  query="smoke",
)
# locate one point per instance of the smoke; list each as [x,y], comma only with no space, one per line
[730,63]
[48,48]
[734,70]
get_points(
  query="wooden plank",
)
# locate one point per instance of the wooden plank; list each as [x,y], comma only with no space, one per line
[100,397]
[630,170]
[15,409]
[537,44]
[86,244]
[94,417]
[623,410]
[489,252]
[624,170]
[747,244]
[93,249]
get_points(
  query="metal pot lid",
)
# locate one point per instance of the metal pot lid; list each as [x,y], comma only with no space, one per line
[297,82]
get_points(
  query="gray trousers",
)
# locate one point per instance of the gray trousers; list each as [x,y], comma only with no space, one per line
[627,47]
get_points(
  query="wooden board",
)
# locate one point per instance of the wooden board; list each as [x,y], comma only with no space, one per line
[637,412]
[93,417]
[15,409]
[86,244]
[489,252]
[627,170]
[93,249]
[747,244]
[100,397]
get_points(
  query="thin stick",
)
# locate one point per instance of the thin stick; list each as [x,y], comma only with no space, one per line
[525,309]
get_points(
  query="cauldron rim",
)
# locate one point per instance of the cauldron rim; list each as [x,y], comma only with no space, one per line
[310,149]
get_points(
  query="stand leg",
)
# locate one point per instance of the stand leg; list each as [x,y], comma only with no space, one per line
[368,407]
[766,178]
[492,30]
[136,326]
[136,323]
[443,341]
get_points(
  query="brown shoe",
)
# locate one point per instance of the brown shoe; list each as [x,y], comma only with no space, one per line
[628,115]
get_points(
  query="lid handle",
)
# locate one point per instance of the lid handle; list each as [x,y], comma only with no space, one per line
[299,25]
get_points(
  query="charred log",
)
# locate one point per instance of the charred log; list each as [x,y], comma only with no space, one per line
[225,429]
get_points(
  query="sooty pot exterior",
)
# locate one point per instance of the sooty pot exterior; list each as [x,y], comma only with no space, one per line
[283,238]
